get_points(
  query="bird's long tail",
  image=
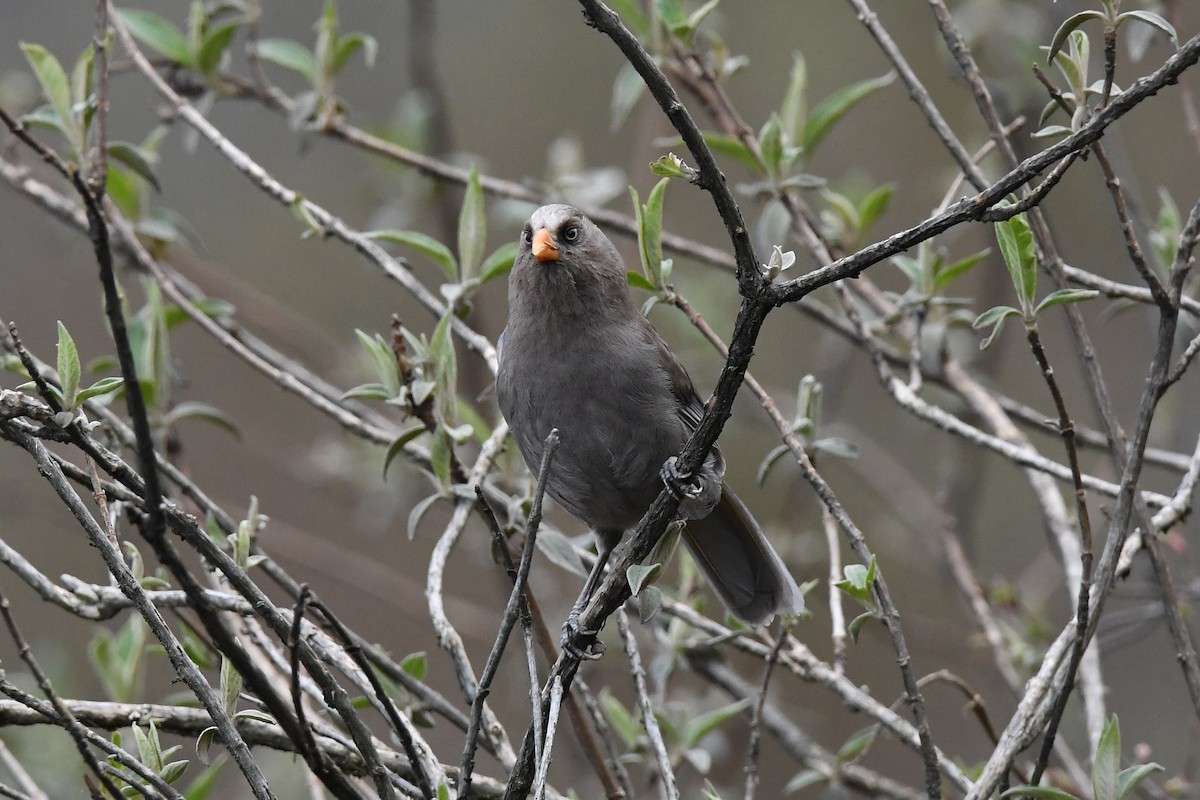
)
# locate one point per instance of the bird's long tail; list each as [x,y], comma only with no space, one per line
[745,571]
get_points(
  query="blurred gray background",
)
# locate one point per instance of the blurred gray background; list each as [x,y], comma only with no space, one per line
[517,77]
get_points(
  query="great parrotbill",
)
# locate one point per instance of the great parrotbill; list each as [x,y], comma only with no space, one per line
[578,355]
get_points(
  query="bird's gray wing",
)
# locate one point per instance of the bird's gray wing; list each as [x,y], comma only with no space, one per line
[691,407]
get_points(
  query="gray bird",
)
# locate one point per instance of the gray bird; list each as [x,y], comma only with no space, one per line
[578,355]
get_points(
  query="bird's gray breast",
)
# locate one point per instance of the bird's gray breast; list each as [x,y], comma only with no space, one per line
[611,403]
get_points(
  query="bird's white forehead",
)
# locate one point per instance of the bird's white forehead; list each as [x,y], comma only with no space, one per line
[551,216]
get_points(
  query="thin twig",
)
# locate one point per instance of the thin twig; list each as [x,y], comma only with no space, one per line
[511,613]
[662,759]
[69,722]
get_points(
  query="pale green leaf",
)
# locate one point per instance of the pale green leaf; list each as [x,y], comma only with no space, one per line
[156,33]
[1130,777]
[135,159]
[1017,248]
[1040,792]
[438,252]
[350,44]
[1106,766]
[418,511]
[857,744]
[830,110]
[472,228]
[1062,296]
[698,727]
[289,55]
[69,369]
[559,551]
[792,112]
[215,43]
[628,87]
[1071,23]
[397,446]
[499,262]
[1152,19]
[54,83]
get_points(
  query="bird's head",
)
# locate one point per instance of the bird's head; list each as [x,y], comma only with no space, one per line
[558,236]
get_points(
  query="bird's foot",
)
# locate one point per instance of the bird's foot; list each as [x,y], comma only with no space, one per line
[684,486]
[579,643]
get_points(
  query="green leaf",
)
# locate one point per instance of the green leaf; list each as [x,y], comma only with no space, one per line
[912,269]
[191,409]
[733,147]
[1130,777]
[156,33]
[82,78]
[54,83]
[836,446]
[830,110]
[439,457]
[350,44]
[1106,766]
[944,276]
[101,387]
[776,453]
[1151,19]
[214,45]
[149,748]
[995,317]
[445,370]
[664,549]
[438,252]
[632,15]
[857,744]
[415,665]
[649,220]
[639,575]
[418,511]
[671,166]
[472,228]
[197,23]
[873,205]
[136,159]
[174,770]
[1050,131]
[1071,23]
[1043,792]
[559,551]
[1073,64]
[770,142]
[795,106]
[69,369]
[367,391]
[649,601]
[289,55]
[638,281]
[856,624]
[1016,246]
[628,88]
[804,779]
[47,117]
[397,446]
[201,788]
[500,262]
[1057,298]
[671,13]
[384,360]
[699,727]
[696,17]
[619,718]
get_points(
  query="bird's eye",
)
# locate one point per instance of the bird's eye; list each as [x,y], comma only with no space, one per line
[527,236]
[571,234]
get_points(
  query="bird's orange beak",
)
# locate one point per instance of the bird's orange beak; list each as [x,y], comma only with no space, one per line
[544,248]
